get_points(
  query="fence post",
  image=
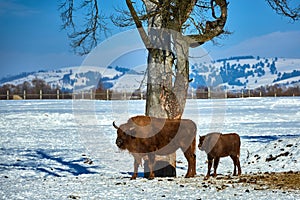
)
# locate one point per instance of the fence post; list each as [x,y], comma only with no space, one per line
[41,94]
[7,94]
[91,94]
[107,95]
[242,93]
[57,94]
[208,93]
[249,93]
[141,94]
[24,94]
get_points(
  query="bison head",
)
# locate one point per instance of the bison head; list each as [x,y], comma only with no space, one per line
[208,141]
[201,141]
[125,133]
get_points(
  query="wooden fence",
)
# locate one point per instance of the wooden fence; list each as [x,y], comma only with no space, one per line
[110,95]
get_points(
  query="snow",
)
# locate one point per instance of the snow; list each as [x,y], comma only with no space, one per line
[129,83]
[66,149]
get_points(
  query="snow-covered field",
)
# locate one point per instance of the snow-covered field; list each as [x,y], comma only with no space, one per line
[66,149]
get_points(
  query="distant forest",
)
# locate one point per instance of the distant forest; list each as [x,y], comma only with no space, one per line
[31,90]
[267,91]
[263,91]
[38,87]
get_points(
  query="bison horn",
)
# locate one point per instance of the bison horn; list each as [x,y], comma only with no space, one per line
[115,125]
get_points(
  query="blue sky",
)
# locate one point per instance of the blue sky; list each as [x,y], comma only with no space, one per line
[31,39]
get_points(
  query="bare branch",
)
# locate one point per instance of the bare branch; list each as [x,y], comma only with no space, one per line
[83,41]
[138,24]
[185,10]
[284,7]
[212,28]
[66,15]
[124,18]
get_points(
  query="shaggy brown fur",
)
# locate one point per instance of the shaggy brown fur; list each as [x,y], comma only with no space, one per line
[218,145]
[150,136]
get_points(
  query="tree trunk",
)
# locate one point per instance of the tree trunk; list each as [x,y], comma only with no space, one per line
[181,82]
[160,62]
[166,93]
[159,77]
[168,78]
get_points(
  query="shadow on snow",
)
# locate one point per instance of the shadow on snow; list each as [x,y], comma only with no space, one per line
[43,161]
[267,138]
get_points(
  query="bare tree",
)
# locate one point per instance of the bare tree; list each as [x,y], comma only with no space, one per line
[168,29]
[173,27]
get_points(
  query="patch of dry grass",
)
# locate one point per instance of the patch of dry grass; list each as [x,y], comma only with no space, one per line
[283,181]
[260,181]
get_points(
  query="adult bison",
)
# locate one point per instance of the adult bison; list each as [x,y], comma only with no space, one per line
[150,136]
[218,145]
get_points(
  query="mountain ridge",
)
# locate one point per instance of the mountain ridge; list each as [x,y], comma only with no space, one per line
[234,73]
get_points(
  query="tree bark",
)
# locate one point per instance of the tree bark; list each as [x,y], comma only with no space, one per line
[181,83]
[159,69]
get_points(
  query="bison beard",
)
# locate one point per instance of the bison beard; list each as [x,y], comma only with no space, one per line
[218,145]
[149,136]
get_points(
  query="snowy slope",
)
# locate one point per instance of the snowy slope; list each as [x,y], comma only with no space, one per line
[66,149]
[231,74]
[247,73]
[70,78]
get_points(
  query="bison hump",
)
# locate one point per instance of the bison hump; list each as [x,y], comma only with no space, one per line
[140,120]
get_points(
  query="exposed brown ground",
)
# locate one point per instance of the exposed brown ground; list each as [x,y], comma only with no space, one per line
[282,181]
[261,181]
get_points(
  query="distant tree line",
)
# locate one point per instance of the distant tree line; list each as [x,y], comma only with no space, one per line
[267,91]
[37,87]
[203,92]
[31,90]
[287,75]
[235,58]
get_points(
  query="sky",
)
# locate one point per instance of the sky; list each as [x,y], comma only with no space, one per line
[31,38]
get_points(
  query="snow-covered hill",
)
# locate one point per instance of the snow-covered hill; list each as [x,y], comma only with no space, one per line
[233,73]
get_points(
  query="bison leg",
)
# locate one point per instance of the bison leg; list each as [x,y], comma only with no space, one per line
[236,163]
[137,162]
[191,158]
[209,164]
[216,163]
[151,164]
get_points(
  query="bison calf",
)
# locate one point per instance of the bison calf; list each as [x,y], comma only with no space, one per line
[150,136]
[218,145]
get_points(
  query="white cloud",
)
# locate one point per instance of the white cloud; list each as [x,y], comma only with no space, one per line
[276,44]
